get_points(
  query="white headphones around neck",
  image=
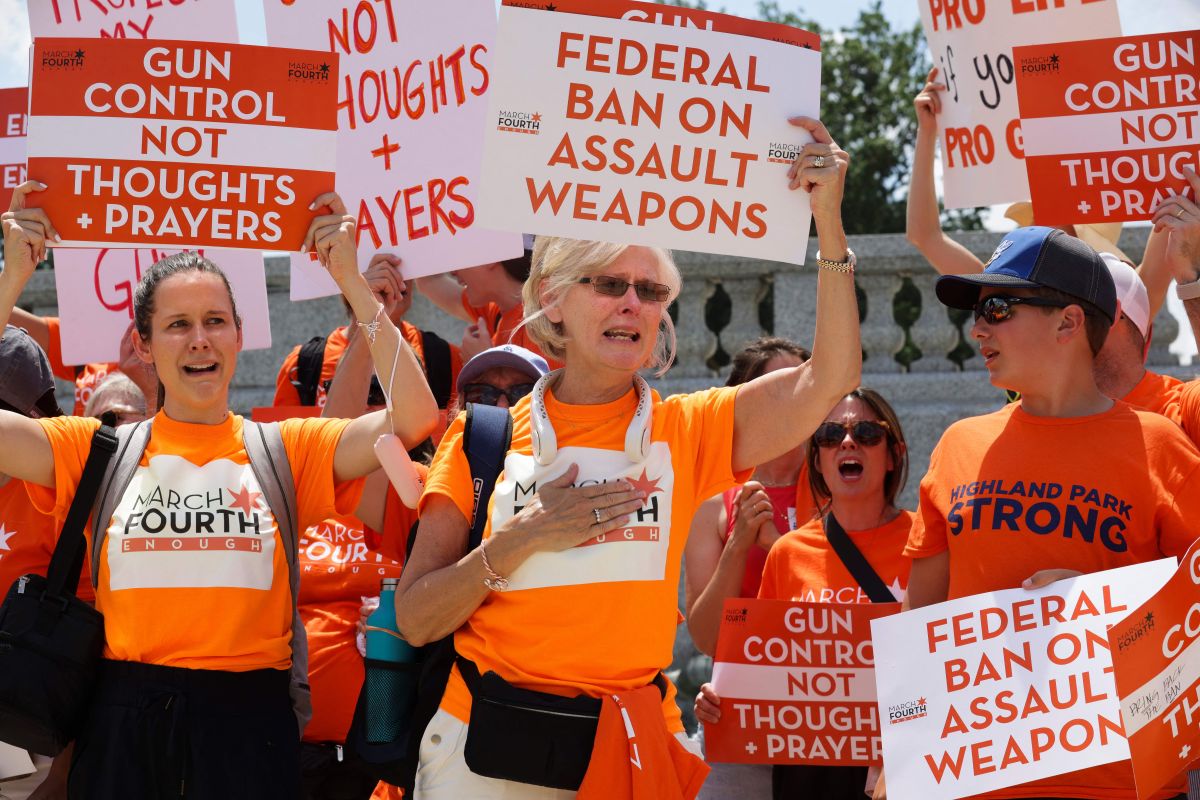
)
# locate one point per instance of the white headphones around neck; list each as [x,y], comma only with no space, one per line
[545,443]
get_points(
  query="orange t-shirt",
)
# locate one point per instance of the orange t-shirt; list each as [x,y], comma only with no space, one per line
[398,522]
[1153,392]
[337,570]
[503,326]
[27,540]
[803,567]
[86,378]
[1009,493]
[792,506]
[193,573]
[335,346]
[599,617]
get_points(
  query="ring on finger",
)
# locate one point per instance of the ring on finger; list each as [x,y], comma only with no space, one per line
[596,514]
[818,161]
[1179,213]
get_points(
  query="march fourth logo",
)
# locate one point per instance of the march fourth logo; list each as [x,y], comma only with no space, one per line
[63,59]
[519,122]
[308,72]
[907,711]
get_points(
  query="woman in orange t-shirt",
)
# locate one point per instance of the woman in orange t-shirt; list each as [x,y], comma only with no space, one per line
[572,595]
[732,532]
[193,691]
[858,464]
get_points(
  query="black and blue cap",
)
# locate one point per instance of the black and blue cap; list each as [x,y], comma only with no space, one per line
[1037,257]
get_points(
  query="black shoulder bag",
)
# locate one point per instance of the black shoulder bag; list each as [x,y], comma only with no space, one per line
[856,563]
[50,640]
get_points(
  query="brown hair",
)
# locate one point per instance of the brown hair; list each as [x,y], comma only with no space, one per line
[897,476]
[1095,324]
[751,361]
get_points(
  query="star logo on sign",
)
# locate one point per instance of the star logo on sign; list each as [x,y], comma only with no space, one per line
[1054,58]
[5,535]
[325,68]
[551,7]
[1149,617]
[537,117]
[79,54]
[246,500]
[644,484]
[921,702]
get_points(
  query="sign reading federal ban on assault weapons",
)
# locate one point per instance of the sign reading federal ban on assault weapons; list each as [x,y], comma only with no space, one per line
[627,130]
[797,684]
[999,689]
[181,144]
[1156,658]
[1110,125]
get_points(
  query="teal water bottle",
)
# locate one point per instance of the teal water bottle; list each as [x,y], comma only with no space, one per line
[391,671]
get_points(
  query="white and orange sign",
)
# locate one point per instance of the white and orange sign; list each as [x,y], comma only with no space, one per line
[412,100]
[95,297]
[971,43]
[14,119]
[995,690]
[198,20]
[1156,656]
[637,123]
[1110,125]
[181,144]
[797,684]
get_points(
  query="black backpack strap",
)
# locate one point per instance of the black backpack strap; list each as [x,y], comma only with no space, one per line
[437,367]
[62,577]
[856,563]
[308,369]
[486,437]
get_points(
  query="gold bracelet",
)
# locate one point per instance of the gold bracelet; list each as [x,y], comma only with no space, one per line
[495,581]
[838,266]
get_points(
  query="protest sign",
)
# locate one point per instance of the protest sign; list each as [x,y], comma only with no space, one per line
[95,297]
[196,20]
[1000,689]
[971,43]
[797,684]
[1156,659]
[1109,125]
[179,144]
[623,131]
[14,104]
[412,101]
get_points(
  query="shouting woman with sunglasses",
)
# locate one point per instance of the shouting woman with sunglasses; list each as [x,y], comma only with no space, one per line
[857,465]
[572,595]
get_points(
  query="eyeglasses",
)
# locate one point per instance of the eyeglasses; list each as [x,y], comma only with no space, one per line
[998,308]
[490,395]
[647,292]
[866,432]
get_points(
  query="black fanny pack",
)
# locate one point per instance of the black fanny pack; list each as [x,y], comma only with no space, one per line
[530,737]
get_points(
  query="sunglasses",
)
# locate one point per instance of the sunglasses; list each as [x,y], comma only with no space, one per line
[490,395]
[868,433]
[998,308]
[647,292]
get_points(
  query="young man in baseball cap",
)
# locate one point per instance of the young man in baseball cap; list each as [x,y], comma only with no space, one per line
[1066,479]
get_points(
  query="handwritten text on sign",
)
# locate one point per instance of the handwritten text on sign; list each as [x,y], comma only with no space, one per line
[196,20]
[13,122]
[624,131]
[1000,689]
[971,43]
[411,108]
[95,297]
[1110,125]
[797,684]
[177,144]
[1156,656]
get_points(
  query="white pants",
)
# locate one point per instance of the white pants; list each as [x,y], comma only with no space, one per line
[444,775]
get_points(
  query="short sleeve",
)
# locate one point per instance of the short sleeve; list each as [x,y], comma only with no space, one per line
[54,354]
[311,445]
[71,441]
[707,417]
[285,391]
[928,534]
[1186,410]
[1178,512]
[450,473]
[490,313]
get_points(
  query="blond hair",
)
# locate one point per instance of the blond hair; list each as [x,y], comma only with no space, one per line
[558,263]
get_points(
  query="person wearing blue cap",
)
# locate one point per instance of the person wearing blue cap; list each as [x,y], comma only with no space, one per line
[1122,485]
[500,376]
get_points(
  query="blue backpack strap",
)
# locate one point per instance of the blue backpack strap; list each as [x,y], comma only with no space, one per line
[486,437]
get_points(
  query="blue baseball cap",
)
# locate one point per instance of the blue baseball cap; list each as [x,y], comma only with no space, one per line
[506,355]
[1037,257]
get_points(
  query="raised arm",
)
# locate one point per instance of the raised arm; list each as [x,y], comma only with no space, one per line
[776,412]
[1179,219]
[414,412]
[446,294]
[924,222]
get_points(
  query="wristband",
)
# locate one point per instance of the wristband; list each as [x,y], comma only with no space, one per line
[1188,291]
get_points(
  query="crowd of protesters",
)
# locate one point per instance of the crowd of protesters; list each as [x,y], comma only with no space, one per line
[743,487]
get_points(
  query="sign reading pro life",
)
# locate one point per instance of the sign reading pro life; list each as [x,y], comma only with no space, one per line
[605,124]
[1110,125]
[181,144]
